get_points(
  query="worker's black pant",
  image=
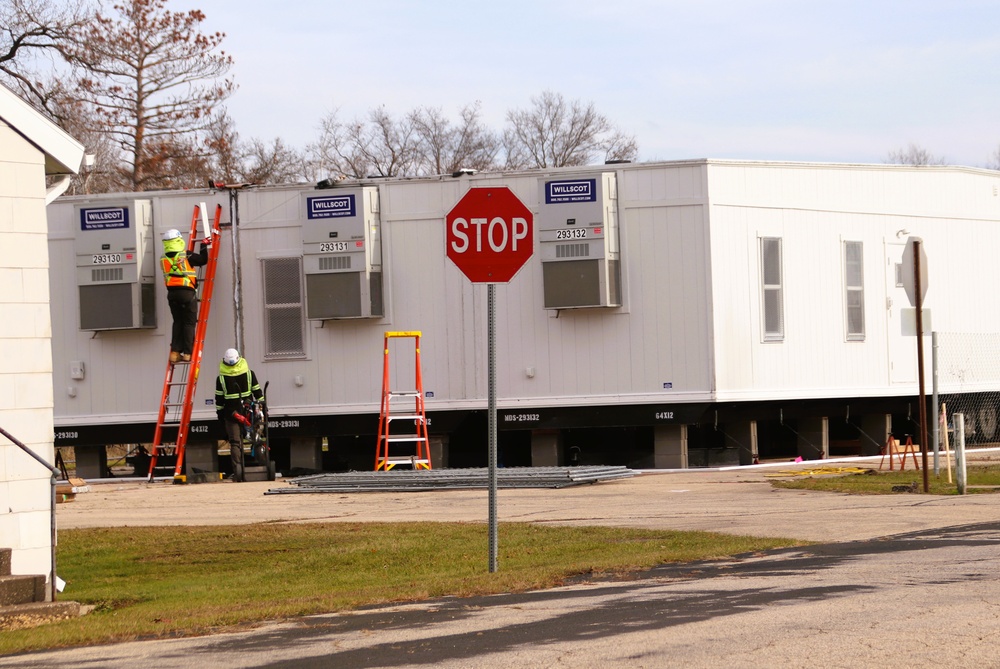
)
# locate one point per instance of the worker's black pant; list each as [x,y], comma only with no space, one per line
[184,309]
[234,433]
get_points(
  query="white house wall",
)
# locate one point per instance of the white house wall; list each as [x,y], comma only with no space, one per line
[26,363]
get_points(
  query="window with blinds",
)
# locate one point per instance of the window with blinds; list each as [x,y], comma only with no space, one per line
[854,291]
[771,288]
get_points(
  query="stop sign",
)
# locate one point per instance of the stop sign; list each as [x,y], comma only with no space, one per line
[910,254]
[490,235]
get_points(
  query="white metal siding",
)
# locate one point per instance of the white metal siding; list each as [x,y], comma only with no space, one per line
[813,209]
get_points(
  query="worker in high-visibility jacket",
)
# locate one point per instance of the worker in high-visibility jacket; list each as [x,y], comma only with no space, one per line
[182,284]
[235,385]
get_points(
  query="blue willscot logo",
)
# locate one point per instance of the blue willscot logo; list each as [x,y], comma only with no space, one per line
[583,190]
[108,218]
[330,206]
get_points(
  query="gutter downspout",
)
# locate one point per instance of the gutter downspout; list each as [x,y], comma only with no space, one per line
[57,189]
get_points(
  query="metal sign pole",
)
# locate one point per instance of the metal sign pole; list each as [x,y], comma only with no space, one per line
[935,404]
[492,402]
[920,358]
[490,254]
[234,217]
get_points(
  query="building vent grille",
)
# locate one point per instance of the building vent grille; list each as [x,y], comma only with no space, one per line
[335,262]
[99,274]
[284,325]
[573,250]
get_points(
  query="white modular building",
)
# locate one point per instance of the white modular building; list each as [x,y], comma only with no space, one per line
[673,314]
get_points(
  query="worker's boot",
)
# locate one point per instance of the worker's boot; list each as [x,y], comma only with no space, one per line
[185,357]
[174,356]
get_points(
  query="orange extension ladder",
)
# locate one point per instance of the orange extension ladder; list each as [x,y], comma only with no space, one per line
[420,457]
[181,377]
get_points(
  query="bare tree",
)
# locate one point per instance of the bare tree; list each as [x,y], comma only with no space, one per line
[444,148]
[32,31]
[376,146]
[913,154]
[227,155]
[99,174]
[994,160]
[553,133]
[233,160]
[36,42]
[557,133]
[387,145]
[271,163]
[153,81]
[322,159]
[620,147]
[335,154]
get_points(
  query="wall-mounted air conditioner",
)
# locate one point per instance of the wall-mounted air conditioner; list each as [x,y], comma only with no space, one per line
[115,266]
[342,253]
[577,225]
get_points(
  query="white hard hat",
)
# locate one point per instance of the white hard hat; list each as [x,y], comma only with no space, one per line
[231,356]
[171,234]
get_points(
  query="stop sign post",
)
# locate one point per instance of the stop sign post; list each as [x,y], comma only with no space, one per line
[914,271]
[490,235]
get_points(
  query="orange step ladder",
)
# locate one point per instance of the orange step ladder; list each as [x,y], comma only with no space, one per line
[181,378]
[413,414]
[892,449]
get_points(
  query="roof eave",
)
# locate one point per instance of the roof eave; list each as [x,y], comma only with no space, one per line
[63,154]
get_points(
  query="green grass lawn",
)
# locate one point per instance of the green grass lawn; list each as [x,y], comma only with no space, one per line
[148,582]
[979,479]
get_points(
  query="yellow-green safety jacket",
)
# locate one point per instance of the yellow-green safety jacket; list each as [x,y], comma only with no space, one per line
[178,266]
[234,384]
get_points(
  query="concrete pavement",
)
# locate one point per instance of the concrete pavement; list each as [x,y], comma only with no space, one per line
[735,501]
[903,580]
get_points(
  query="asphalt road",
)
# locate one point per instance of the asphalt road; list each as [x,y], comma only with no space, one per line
[902,581]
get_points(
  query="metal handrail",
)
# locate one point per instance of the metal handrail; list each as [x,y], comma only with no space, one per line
[52,507]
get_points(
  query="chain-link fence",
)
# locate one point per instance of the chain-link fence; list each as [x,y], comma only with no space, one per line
[968,381]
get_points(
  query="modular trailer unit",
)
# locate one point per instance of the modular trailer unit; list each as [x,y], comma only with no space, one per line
[673,314]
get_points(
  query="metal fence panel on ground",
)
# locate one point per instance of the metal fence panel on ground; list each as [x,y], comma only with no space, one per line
[435,479]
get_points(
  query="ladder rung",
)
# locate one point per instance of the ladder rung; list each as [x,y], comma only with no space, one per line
[401,460]
[405,437]
[397,416]
[404,393]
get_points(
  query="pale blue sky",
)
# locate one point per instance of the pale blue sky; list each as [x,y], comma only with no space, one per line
[843,81]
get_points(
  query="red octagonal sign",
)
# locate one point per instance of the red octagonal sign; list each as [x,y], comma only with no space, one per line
[490,235]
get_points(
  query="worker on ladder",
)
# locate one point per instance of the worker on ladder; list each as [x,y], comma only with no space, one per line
[182,296]
[236,383]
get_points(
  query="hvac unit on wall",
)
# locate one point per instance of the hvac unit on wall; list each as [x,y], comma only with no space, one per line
[115,268]
[578,240]
[342,253]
